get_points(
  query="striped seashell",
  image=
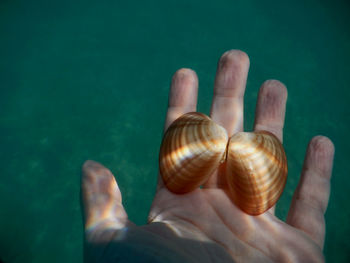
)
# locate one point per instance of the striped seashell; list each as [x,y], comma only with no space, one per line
[256,166]
[256,170]
[191,150]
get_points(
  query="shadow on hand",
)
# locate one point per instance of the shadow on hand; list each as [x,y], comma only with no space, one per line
[141,244]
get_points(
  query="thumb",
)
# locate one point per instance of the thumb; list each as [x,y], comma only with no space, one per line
[103,211]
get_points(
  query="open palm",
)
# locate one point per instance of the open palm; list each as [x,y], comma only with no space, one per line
[204,225]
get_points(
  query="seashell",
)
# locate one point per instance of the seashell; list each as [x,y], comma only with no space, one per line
[256,170]
[194,146]
[191,150]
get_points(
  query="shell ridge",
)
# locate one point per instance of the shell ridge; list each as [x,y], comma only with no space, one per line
[185,167]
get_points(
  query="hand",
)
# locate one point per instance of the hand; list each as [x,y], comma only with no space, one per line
[204,225]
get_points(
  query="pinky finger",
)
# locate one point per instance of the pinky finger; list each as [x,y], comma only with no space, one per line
[310,199]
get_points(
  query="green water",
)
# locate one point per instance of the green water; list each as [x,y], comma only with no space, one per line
[89,79]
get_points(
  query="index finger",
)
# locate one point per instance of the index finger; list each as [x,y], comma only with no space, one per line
[182,96]
[182,99]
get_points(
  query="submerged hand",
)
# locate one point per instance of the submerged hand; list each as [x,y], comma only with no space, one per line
[204,225]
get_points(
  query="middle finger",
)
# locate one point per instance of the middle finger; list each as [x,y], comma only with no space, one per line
[230,82]
[227,106]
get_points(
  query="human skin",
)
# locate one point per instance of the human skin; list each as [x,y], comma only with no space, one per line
[204,225]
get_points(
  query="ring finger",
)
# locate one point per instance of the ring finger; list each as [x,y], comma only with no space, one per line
[270,110]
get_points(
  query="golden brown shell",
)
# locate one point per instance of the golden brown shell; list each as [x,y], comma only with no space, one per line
[256,170]
[256,165]
[191,150]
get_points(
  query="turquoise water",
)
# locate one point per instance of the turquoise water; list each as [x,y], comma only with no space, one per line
[90,79]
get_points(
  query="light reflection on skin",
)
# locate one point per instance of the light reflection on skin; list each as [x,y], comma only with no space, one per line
[104,198]
[106,232]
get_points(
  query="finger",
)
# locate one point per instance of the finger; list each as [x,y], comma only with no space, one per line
[183,95]
[182,99]
[271,108]
[102,202]
[227,105]
[230,82]
[310,199]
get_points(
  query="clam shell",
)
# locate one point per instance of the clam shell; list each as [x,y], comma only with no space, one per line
[256,171]
[192,148]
